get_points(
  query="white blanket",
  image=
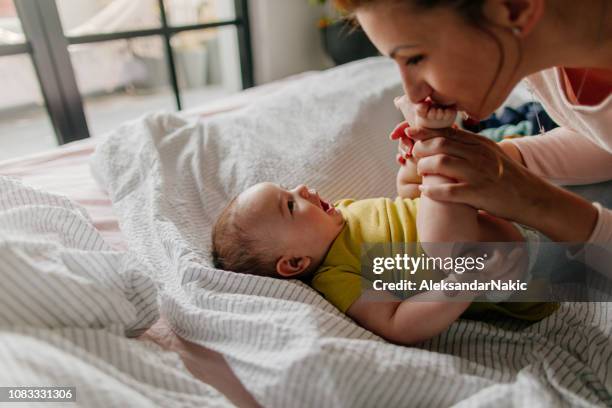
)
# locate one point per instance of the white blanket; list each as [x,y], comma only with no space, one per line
[290,348]
[68,303]
[169,179]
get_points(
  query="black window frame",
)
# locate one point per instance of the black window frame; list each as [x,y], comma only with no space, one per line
[47,45]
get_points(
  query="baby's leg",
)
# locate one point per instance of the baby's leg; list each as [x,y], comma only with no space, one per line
[451,222]
[439,221]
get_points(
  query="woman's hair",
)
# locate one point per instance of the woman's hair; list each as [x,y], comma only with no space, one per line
[235,249]
[471,10]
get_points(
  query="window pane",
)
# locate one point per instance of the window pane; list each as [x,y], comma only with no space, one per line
[121,80]
[24,123]
[207,64]
[80,17]
[10,26]
[187,12]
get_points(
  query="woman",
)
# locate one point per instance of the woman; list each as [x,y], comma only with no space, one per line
[471,54]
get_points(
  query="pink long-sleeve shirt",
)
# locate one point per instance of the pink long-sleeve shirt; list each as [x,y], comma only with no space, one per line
[580,151]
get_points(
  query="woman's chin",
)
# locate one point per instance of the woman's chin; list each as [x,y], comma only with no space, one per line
[474,116]
[478,115]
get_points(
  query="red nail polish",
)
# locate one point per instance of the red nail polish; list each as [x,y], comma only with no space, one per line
[401,160]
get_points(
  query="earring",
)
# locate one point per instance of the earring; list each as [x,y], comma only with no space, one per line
[516,31]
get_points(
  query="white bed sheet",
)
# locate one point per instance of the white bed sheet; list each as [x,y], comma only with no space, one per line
[287,345]
[169,178]
[30,354]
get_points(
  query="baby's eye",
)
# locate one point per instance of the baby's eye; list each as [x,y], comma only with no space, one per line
[415,60]
[290,206]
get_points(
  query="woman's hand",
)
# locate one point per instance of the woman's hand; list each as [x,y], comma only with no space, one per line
[486,178]
[405,144]
[407,181]
[489,179]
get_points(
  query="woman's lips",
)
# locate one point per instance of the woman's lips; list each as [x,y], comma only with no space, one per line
[435,104]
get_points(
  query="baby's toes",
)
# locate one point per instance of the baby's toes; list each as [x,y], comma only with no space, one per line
[450,114]
[431,115]
[422,109]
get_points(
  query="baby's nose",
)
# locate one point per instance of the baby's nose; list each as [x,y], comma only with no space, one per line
[302,190]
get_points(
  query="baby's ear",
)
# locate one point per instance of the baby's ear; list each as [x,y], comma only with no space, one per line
[292,266]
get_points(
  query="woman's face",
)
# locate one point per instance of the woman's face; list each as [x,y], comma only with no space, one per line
[442,57]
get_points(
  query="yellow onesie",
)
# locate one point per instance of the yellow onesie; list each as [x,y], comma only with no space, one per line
[381,220]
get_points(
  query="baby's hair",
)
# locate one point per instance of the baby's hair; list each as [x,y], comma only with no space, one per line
[235,249]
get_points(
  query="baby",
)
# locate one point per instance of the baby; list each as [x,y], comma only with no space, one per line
[294,233]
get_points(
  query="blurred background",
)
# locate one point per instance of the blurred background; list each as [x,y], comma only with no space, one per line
[72,69]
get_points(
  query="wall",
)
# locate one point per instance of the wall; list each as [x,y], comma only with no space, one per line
[285,38]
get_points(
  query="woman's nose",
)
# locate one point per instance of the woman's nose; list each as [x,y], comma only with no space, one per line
[415,88]
[416,93]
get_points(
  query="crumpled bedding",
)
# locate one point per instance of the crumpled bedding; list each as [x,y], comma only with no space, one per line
[168,179]
[69,305]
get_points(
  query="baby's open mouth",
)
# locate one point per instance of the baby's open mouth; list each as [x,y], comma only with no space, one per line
[326,206]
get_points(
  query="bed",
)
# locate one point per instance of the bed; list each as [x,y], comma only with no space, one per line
[114,293]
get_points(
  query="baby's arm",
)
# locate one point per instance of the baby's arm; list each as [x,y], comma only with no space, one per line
[411,321]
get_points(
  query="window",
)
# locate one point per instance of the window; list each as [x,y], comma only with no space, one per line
[100,62]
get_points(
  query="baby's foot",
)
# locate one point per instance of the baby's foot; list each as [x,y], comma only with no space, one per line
[408,109]
[434,116]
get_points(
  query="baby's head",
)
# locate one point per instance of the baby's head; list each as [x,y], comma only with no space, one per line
[272,231]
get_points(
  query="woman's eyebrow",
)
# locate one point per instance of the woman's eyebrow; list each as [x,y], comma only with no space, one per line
[400,47]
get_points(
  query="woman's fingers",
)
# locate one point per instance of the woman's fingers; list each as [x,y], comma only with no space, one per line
[399,158]
[448,166]
[399,131]
[437,145]
[457,135]
[405,147]
[451,192]
[480,156]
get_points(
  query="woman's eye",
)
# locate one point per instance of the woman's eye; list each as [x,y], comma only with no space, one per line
[415,60]
[290,206]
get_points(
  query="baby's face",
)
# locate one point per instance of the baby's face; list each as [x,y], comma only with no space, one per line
[300,221]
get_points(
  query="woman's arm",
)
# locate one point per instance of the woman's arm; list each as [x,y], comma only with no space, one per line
[488,179]
[562,156]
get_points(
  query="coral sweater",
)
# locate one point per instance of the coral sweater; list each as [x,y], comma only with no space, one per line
[580,150]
